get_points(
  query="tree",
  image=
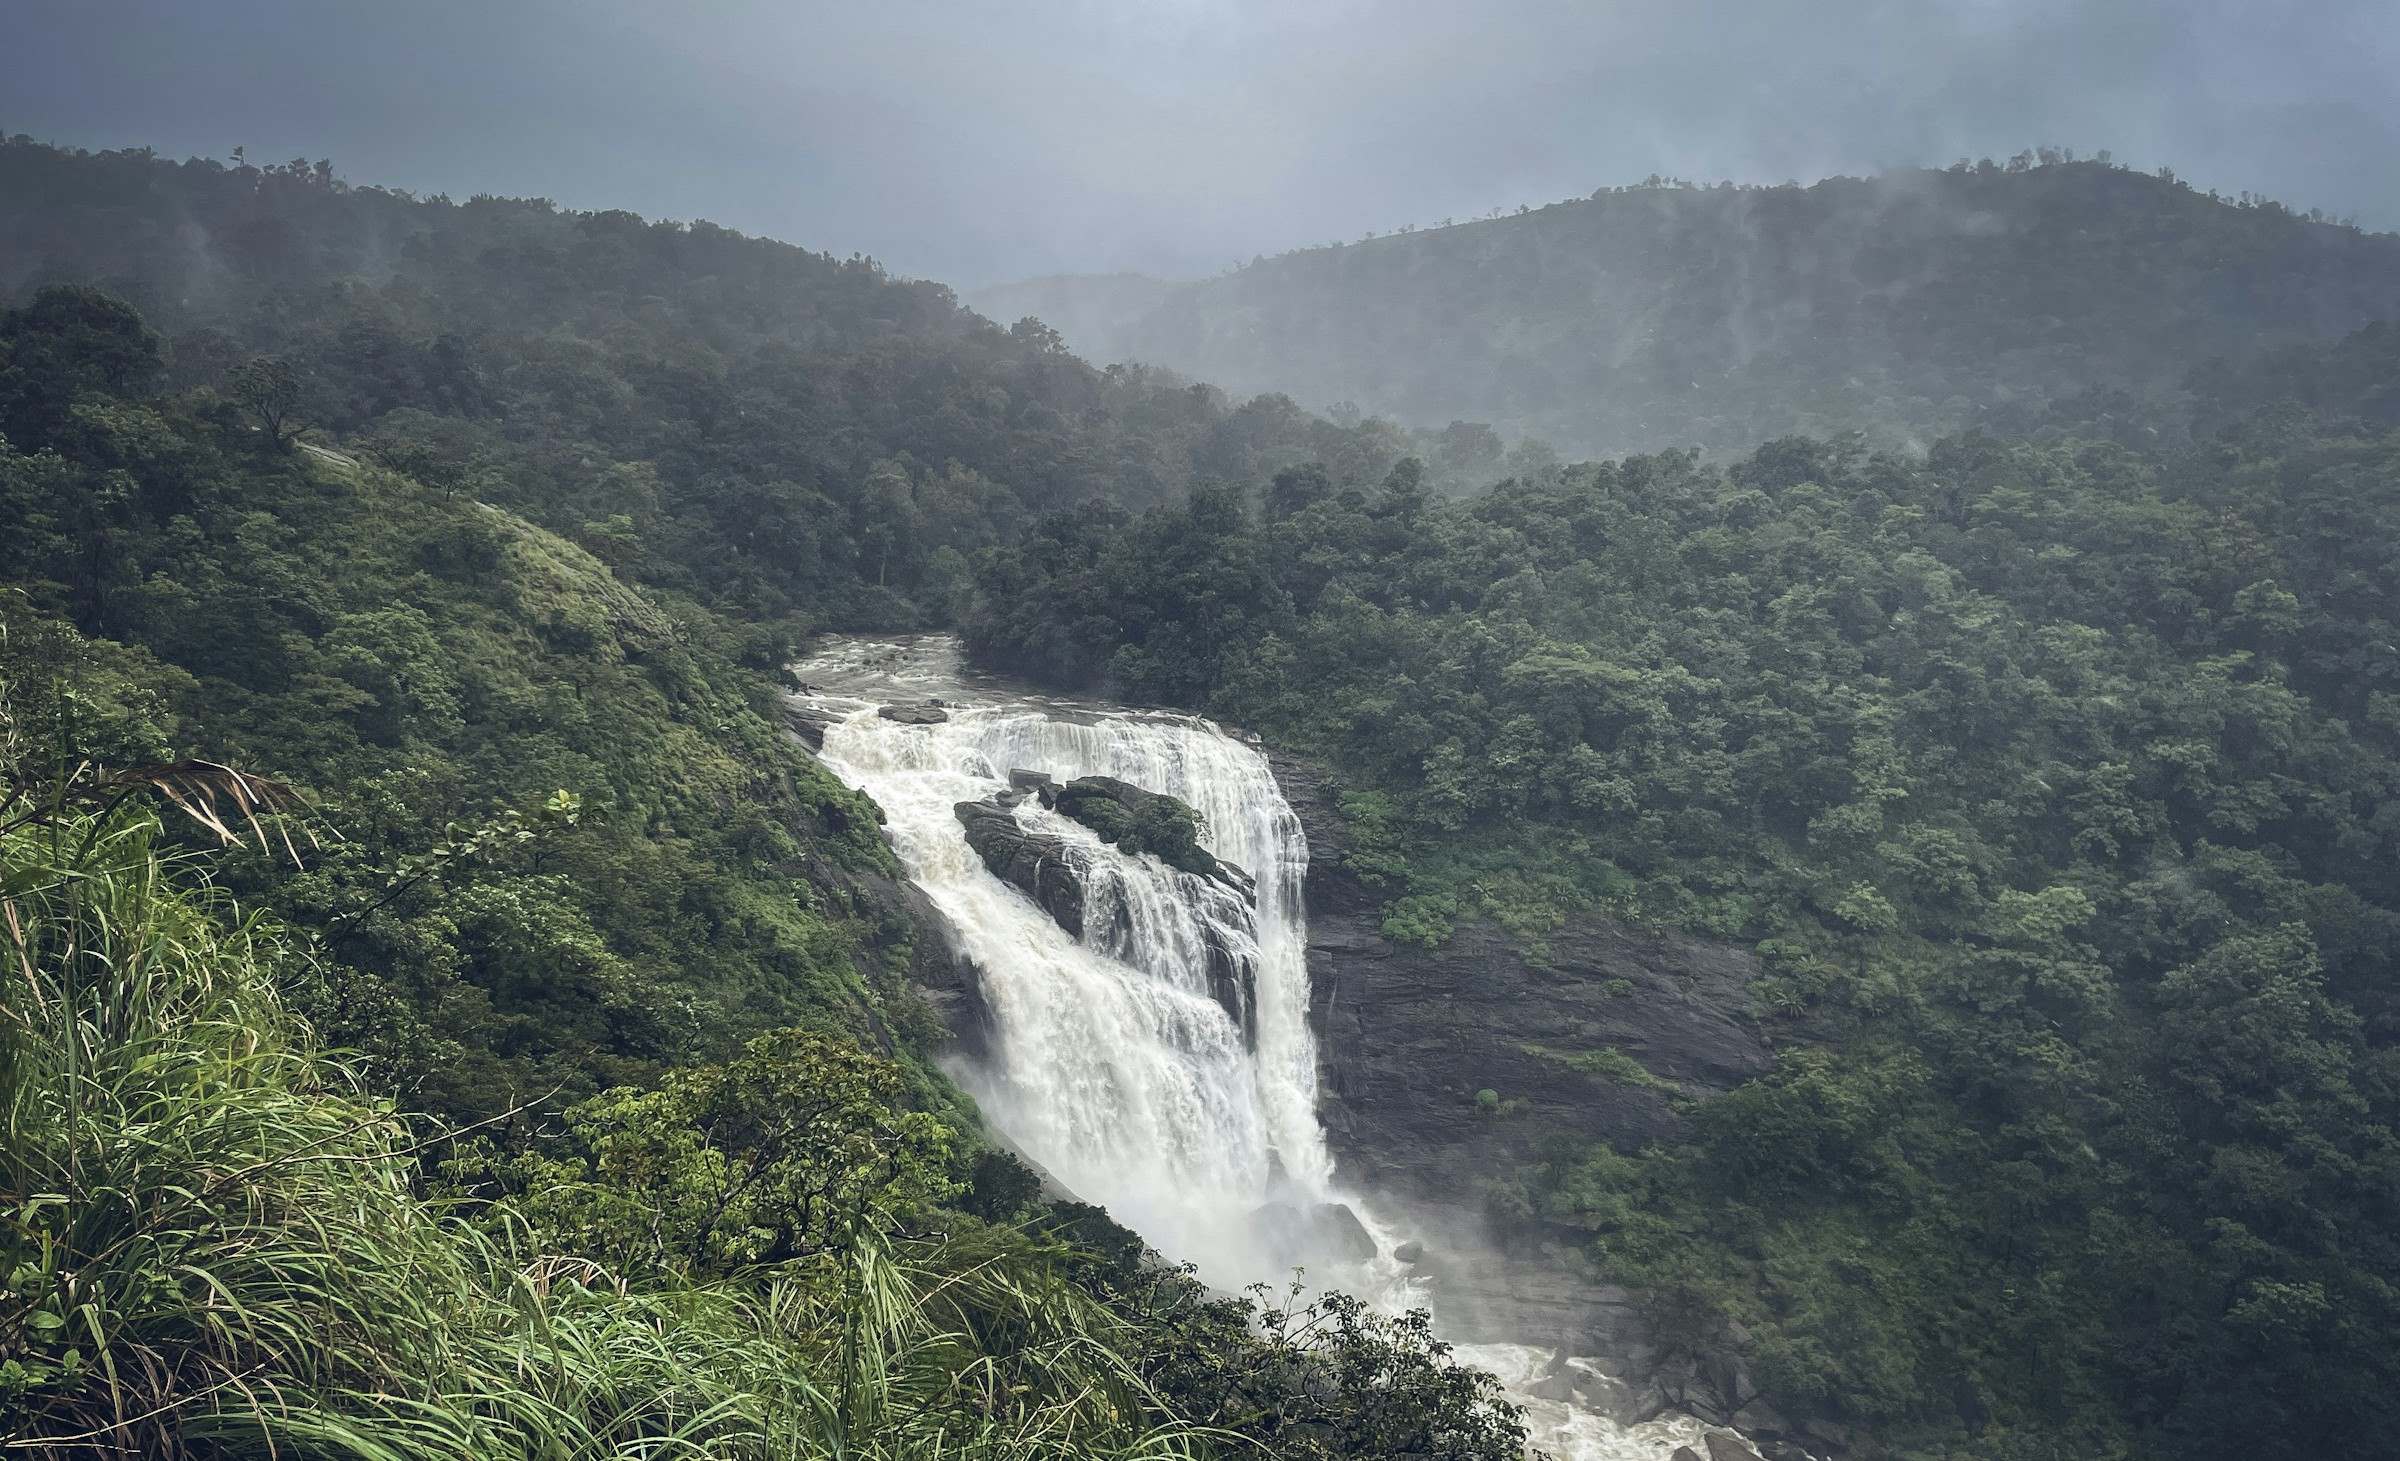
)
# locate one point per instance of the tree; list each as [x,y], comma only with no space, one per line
[66,341]
[268,388]
[800,1146]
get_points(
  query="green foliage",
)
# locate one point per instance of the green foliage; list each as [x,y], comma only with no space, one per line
[575,844]
[790,438]
[798,1148]
[1606,1061]
[1319,1377]
[1140,822]
[569,852]
[215,1245]
[2046,776]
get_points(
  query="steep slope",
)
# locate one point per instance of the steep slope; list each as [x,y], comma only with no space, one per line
[567,841]
[1665,316]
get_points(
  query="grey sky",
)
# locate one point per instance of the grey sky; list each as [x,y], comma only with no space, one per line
[979,140]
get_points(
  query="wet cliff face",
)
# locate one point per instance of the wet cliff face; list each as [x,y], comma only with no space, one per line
[1408,1038]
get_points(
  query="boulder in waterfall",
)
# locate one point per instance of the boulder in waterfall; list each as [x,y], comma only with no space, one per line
[1041,783]
[1411,1253]
[1556,1383]
[1034,863]
[1596,1389]
[1232,982]
[1136,820]
[925,713]
[1725,1447]
[1685,1453]
[807,722]
[1302,1234]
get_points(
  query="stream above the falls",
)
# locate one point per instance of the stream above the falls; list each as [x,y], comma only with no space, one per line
[1117,1059]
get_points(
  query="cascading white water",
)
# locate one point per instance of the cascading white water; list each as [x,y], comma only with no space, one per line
[1115,1065]
[1117,1069]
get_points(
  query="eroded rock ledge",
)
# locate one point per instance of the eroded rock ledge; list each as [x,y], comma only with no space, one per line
[1056,875]
[1445,1071]
[1036,863]
[1409,1037]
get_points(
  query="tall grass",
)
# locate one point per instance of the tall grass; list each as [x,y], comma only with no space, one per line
[214,1244]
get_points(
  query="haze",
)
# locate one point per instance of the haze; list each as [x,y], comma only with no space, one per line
[976,143]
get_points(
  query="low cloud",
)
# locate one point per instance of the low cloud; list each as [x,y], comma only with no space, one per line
[975,142]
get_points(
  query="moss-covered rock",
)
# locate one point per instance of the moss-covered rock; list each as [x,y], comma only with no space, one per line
[1135,820]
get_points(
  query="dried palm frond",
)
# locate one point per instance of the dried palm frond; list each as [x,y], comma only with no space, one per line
[218,797]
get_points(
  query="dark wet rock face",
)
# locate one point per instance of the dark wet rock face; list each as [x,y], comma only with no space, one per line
[946,979]
[807,723]
[1444,1070]
[1035,863]
[1054,873]
[1593,1043]
[1233,983]
[1723,1447]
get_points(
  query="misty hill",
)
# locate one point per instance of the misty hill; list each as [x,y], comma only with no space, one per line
[795,437]
[1656,316]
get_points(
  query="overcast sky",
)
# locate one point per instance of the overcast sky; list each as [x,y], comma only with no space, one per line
[981,140]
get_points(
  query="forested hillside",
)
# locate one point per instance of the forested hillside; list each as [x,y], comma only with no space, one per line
[449,1014]
[795,438]
[1669,316]
[573,842]
[600,477]
[2052,781]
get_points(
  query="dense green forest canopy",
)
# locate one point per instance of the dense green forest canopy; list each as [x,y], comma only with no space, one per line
[599,478]
[795,438]
[1669,315]
[574,841]
[2054,781]
[2050,775]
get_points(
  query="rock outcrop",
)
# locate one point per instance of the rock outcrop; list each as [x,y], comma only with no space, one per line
[1142,821]
[1122,813]
[807,722]
[1037,864]
[1408,1037]
[1722,1447]
[1047,869]
[1444,1070]
[942,976]
[925,713]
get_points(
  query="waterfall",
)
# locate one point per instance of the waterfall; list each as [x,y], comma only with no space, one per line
[1114,1063]
[1115,1066]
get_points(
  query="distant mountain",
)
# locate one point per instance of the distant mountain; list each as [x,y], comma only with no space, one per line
[1664,315]
[1081,307]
